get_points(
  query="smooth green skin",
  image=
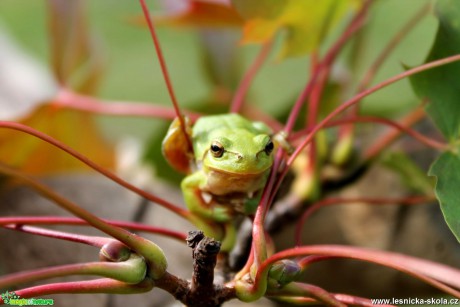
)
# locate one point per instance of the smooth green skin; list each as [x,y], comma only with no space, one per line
[243,168]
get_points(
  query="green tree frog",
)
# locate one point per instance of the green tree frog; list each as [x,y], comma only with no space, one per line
[227,167]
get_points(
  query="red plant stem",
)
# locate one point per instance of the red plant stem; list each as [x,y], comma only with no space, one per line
[299,102]
[313,110]
[78,238]
[353,26]
[249,76]
[102,285]
[383,142]
[254,113]
[164,70]
[413,200]
[315,97]
[58,220]
[258,232]
[258,239]
[373,119]
[85,160]
[308,260]
[71,100]
[153,255]
[375,66]
[247,266]
[437,275]
[394,42]
[313,61]
[313,106]
[401,128]
[348,300]
[356,300]
[367,92]
[306,290]
[102,269]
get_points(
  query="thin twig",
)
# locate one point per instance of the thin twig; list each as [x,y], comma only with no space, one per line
[354,25]
[164,70]
[381,58]
[360,96]
[102,285]
[93,165]
[153,254]
[61,235]
[114,270]
[71,100]
[59,220]
[249,76]
[306,290]
[384,141]
[392,44]
[439,276]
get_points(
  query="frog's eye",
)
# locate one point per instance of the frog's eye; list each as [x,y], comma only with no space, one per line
[269,147]
[217,149]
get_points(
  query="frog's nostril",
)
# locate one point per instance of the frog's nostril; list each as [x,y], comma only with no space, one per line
[239,156]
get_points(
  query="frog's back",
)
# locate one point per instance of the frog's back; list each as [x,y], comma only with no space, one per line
[222,121]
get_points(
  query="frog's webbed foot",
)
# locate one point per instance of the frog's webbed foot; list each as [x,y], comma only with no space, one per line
[202,203]
[221,213]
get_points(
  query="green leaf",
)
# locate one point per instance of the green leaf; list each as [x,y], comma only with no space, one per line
[446,169]
[441,85]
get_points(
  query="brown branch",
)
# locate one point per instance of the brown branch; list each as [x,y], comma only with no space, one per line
[201,291]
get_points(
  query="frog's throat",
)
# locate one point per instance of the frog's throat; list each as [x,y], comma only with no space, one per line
[220,182]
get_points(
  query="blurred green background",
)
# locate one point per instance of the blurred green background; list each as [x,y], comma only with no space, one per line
[133,73]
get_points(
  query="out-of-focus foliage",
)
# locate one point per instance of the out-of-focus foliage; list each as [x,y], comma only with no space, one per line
[76,64]
[203,14]
[73,128]
[133,73]
[441,86]
[411,174]
[306,22]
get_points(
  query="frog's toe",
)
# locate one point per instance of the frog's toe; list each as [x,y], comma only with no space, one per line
[221,214]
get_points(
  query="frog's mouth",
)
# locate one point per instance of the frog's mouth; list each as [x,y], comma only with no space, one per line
[236,173]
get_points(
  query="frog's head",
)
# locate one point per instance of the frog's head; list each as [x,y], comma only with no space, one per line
[238,151]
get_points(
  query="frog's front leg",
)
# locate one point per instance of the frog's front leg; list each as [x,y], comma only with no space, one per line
[192,189]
